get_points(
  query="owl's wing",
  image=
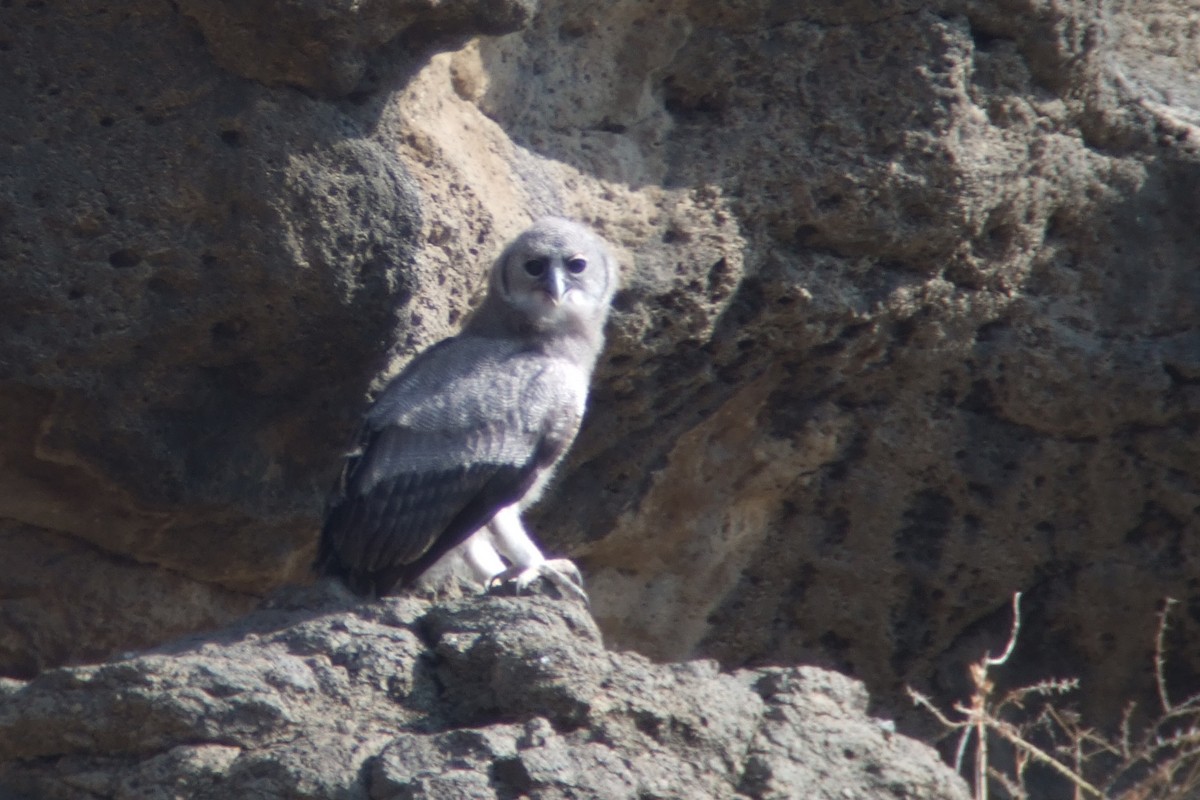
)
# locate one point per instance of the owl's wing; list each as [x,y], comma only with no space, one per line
[460,434]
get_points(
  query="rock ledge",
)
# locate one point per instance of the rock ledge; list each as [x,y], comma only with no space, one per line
[483,697]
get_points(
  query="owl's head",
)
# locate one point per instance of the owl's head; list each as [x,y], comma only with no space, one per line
[556,276]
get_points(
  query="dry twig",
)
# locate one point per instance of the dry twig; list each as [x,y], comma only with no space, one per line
[1162,764]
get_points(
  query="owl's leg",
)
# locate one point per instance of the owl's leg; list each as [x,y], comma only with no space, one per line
[482,557]
[529,564]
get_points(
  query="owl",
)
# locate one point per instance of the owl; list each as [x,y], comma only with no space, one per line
[470,432]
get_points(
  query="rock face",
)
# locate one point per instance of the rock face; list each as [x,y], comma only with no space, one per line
[910,317]
[490,697]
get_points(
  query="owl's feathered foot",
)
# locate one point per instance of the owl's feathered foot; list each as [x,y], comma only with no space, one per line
[559,572]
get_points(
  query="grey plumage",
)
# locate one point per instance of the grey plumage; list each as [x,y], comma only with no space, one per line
[471,430]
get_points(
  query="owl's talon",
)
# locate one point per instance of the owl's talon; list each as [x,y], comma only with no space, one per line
[560,572]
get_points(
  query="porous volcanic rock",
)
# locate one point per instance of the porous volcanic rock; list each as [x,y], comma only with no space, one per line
[910,318]
[484,698]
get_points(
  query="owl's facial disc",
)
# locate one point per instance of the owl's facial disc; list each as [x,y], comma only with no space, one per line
[557,276]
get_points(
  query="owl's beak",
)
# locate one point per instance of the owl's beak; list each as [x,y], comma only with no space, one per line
[556,287]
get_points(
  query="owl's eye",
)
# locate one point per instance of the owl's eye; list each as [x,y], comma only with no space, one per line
[577,265]
[536,266]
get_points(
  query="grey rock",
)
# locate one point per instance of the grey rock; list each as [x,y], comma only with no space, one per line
[486,697]
[326,45]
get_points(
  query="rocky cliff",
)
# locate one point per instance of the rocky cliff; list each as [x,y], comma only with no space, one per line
[909,319]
